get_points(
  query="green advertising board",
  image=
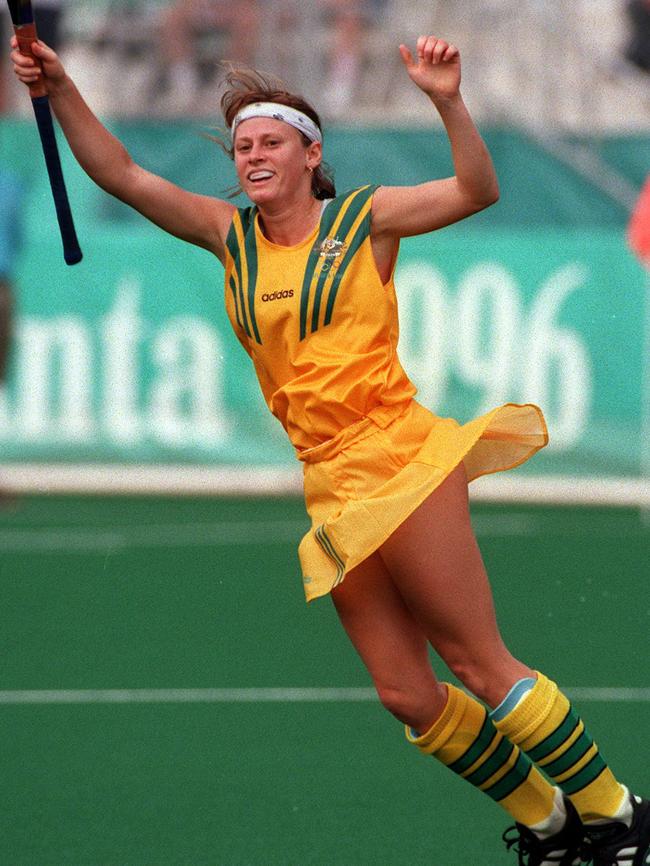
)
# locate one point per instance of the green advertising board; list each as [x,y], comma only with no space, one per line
[129,356]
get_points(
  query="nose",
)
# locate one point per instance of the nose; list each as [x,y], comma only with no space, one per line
[255,153]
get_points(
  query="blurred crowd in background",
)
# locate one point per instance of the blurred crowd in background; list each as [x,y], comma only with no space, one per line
[161,57]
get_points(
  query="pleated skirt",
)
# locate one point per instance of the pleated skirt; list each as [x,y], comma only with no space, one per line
[362,484]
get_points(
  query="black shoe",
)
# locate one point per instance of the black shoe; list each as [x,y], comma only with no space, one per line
[616,844]
[562,849]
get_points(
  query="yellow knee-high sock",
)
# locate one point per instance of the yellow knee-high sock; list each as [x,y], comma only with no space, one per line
[465,739]
[545,726]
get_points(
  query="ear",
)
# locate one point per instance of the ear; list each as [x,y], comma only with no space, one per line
[314,155]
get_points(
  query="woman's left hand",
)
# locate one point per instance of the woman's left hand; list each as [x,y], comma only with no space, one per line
[436,70]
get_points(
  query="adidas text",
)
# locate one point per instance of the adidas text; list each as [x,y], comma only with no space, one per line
[275,296]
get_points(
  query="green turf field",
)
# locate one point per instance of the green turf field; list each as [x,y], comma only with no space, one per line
[177,594]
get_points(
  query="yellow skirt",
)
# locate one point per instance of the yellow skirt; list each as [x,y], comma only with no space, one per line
[360,485]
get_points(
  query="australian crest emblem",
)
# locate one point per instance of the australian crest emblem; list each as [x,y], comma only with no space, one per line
[332,249]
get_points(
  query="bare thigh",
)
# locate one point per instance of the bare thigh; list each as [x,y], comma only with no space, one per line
[435,563]
[390,642]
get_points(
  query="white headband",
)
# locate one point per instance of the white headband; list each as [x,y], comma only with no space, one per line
[275,110]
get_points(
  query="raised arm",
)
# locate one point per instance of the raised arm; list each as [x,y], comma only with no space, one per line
[198,219]
[403,211]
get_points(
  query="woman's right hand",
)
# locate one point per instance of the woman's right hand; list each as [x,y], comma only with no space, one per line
[45,67]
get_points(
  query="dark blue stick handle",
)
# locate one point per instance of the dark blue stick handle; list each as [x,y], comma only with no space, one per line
[71,249]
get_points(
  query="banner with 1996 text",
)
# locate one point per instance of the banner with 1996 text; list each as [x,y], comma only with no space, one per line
[129,356]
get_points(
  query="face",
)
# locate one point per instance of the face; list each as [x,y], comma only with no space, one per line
[272,161]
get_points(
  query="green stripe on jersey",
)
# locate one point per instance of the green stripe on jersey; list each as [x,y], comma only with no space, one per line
[327,221]
[361,196]
[233,289]
[318,293]
[356,205]
[359,237]
[354,201]
[233,248]
[251,262]
[247,215]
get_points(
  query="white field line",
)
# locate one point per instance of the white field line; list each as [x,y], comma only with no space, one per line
[190,696]
[116,538]
[608,695]
[265,695]
[150,479]
[211,480]
[67,539]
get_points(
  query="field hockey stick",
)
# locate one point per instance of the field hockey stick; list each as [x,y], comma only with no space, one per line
[22,19]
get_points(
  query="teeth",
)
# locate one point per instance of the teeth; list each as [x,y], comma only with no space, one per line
[260,175]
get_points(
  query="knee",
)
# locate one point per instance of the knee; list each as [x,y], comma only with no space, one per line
[488,676]
[415,707]
[472,672]
[401,703]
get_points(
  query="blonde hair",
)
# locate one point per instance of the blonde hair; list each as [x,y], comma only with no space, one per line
[245,85]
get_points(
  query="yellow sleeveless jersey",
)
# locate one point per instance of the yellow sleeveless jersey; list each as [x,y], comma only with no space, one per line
[318,323]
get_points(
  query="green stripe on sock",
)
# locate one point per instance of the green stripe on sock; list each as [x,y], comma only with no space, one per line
[484,740]
[492,764]
[565,761]
[555,738]
[584,777]
[512,780]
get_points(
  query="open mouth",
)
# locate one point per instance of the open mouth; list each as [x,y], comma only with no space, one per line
[259,177]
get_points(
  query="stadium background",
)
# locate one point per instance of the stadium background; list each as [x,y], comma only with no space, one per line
[166,697]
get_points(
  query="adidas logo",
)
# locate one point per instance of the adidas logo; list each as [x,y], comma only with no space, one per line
[276,296]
